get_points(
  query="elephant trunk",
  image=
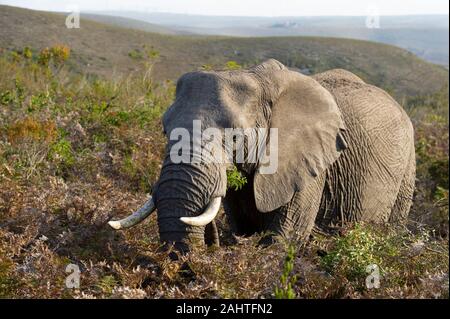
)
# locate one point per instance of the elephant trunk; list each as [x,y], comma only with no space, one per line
[186,196]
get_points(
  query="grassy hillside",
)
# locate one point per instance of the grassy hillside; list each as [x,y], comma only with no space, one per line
[105,50]
[424,35]
[129,23]
[429,44]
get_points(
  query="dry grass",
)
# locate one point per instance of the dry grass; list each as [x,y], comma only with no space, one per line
[74,152]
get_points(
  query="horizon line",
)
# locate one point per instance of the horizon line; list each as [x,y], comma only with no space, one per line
[231,16]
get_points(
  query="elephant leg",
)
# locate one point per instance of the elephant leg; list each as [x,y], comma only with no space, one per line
[405,195]
[295,220]
[212,234]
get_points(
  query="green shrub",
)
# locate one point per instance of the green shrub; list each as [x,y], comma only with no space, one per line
[20,90]
[7,282]
[6,97]
[27,53]
[361,247]
[136,54]
[117,118]
[15,56]
[287,280]
[61,152]
[235,179]
[232,65]
[206,67]
[44,57]
[39,101]
[107,284]
[151,52]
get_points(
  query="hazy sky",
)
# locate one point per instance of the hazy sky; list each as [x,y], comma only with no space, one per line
[248,7]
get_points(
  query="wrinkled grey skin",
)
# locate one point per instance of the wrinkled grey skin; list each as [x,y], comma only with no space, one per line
[346,153]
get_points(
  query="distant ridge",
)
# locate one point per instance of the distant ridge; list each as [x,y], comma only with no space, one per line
[425,35]
[130,23]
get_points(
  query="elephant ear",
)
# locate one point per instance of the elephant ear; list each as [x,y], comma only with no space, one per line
[310,138]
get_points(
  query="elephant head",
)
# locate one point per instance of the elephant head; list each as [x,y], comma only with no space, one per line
[308,122]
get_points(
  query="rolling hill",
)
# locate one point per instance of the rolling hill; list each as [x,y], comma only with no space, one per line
[104,50]
[130,23]
[424,35]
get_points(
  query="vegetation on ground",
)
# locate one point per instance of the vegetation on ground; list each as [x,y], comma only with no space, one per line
[76,151]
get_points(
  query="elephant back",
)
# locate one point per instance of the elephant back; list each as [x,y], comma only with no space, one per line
[379,136]
[338,78]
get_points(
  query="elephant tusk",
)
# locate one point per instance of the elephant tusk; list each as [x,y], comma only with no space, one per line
[208,215]
[135,218]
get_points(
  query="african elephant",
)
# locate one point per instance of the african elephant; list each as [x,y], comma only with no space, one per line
[345,153]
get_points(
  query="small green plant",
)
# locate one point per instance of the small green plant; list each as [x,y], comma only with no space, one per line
[235,179]
[286,290]
[107,284]
[6,97]
[441,195]
[151,52]
[129,166]
[62,152]
[206,67]
[7,284]
[20,90]
[39,101]
[232,65]
[27,53]
[117,118]
[44,57]
[136,54]
[16,57]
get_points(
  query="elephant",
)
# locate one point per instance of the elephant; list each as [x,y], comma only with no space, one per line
[345,154]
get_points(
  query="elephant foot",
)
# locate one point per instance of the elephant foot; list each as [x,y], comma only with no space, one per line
[269,239]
